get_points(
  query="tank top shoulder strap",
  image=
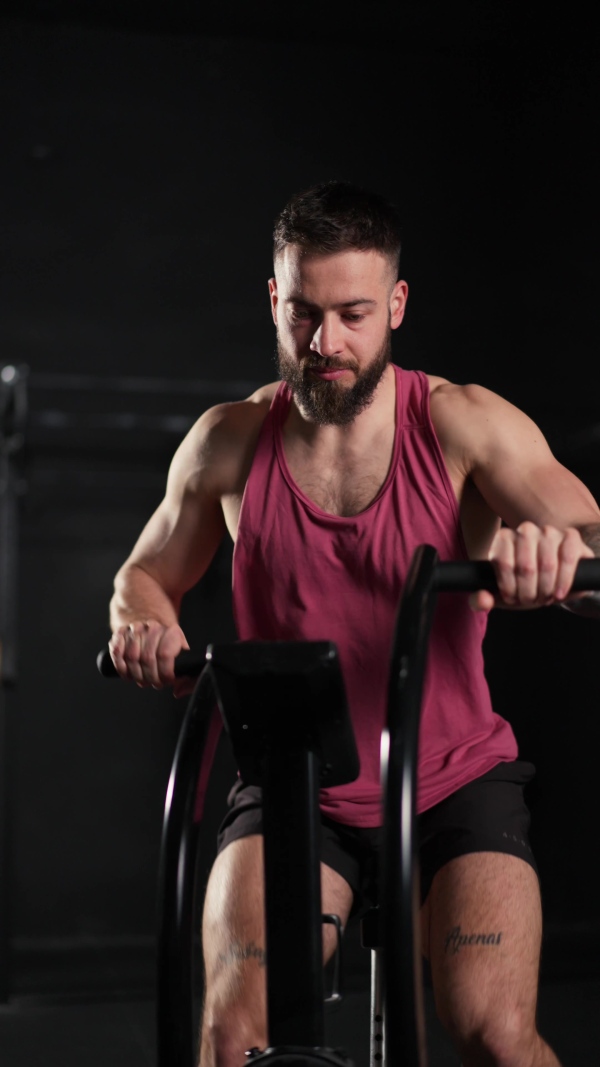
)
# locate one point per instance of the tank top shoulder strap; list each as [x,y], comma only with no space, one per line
[412,394]
[270,430]
[280,406]
[264,467]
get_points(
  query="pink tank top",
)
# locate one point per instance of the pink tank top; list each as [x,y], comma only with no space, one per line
[300,573]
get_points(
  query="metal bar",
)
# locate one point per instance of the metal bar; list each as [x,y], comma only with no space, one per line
[124,421]
[177,876]
[8,570]
[402,961]
[4,883]
[378,1050]
[471,575]
[293,910]
[9,538]
[128,384]
[13,410]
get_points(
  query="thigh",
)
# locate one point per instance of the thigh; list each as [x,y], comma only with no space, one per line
[482,933]
[233,928]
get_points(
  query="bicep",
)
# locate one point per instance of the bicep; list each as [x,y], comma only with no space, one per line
[179,541]
[517,474]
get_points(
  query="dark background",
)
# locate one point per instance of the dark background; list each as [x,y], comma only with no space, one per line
[144,154]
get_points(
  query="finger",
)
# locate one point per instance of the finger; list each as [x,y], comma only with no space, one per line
[502,555]
[548,563]
[150,636]
[482,601]
[526,544]
[131,654]
[172,641]
[571,550]
[116,648]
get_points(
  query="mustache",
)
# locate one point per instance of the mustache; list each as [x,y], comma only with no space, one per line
[325,363]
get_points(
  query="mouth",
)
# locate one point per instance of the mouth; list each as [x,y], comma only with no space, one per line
[328,375]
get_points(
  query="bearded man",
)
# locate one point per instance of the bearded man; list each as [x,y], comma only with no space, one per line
[327,481]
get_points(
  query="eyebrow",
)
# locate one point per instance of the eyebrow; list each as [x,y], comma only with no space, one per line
[345,304]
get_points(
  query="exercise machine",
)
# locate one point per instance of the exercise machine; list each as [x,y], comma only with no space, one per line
[283,706]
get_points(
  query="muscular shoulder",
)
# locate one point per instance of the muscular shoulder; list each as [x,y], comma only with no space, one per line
[450,403]
[216,454]
[474,425]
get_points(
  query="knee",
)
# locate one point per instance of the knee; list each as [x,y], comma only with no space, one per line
[495,1039]
[228,1033]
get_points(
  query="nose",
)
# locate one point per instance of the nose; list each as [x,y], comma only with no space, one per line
[327,339]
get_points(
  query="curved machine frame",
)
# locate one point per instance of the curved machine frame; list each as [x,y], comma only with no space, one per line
[402,966]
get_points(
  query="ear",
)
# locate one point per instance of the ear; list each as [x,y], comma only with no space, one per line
[273,298]
[398,304]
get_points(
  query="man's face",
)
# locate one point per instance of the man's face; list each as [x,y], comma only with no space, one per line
[334,315]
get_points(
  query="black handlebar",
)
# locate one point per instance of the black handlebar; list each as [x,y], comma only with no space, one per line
[449,577]
[471,575]
[187,664]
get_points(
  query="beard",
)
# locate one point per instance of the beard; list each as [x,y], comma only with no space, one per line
[330,403]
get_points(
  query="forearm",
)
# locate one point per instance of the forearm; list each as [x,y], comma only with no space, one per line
[588,605]
[139,597]
[590,535]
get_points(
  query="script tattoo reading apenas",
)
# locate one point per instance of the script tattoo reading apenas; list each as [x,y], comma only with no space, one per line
[456,940]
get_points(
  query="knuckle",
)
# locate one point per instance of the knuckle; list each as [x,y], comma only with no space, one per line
[550,531]
[504,565]
[571,541]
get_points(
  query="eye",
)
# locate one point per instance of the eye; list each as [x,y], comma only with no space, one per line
[354,317]
[300,314]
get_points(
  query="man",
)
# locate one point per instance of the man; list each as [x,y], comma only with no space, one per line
[327,482]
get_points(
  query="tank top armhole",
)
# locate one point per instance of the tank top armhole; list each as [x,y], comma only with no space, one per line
[436,449]
[269,426]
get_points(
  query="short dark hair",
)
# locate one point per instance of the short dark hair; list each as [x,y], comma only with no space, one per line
[337,216]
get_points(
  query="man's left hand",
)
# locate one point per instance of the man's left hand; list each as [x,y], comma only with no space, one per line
[534,566]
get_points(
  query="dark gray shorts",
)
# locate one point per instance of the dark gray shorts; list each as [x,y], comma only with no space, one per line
[488,814]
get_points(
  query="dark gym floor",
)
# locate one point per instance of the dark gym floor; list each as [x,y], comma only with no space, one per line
[96,1007]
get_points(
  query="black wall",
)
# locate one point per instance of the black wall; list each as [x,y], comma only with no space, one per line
[140,175]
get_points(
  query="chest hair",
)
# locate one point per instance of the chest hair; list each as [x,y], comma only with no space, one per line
[342,489]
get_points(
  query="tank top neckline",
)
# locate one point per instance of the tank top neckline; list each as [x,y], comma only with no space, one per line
[280,407]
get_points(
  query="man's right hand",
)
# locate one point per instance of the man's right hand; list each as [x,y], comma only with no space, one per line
[144,652]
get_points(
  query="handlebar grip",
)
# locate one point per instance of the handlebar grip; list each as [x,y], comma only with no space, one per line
[471,575]
[187,664]
[105,664]
[466,576]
